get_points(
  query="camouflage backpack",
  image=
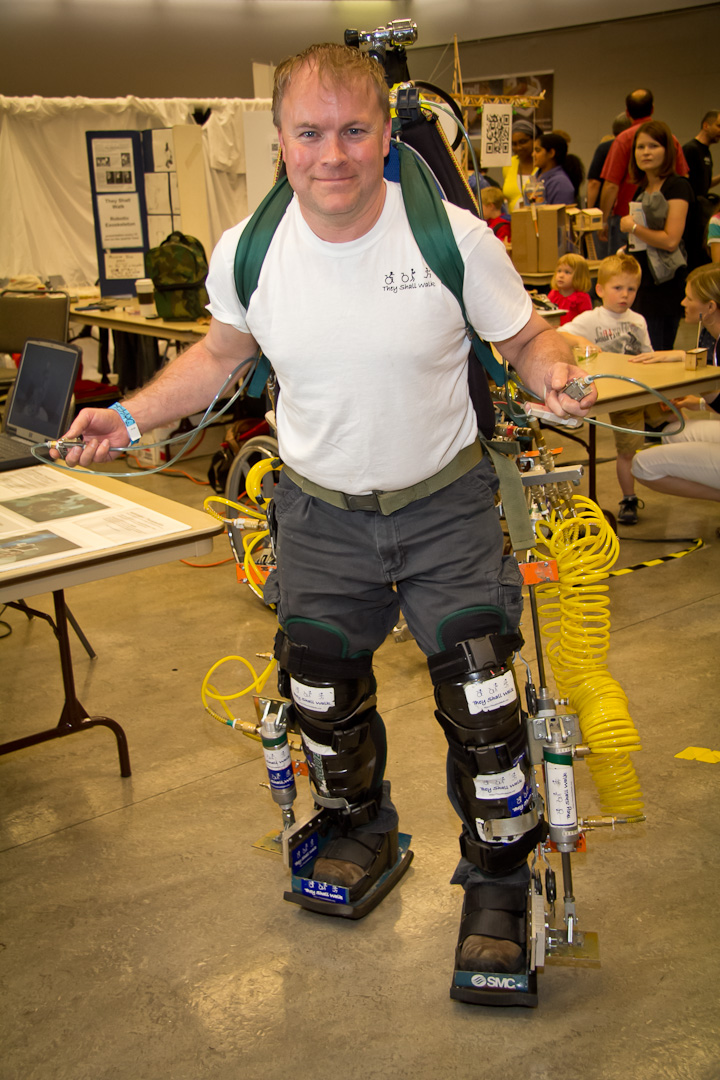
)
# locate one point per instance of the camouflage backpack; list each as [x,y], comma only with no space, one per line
[178,268]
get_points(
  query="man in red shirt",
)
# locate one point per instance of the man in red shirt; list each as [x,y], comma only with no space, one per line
[618,188]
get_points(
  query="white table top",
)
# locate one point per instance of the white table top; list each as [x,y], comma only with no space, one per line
[194,536]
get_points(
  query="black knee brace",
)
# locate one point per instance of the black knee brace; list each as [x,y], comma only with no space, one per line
[489,772]
[343,735]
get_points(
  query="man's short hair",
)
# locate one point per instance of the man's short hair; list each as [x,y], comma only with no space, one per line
[639,104]
[618,264]
[710,117]
[336,65]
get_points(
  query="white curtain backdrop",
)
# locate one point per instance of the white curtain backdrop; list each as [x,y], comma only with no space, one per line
[46,218]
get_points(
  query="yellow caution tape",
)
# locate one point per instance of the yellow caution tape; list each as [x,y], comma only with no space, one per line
[699,753]
[696,545]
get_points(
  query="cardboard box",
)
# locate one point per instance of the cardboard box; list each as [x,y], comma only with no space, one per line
[524,240]
[553,237]
[538,238]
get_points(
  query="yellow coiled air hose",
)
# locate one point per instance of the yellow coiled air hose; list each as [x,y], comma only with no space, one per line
[251,540]
[576,611]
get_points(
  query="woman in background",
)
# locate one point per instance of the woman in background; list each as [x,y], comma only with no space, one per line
[515,175]
[666,199]
[688,464]
[561,173]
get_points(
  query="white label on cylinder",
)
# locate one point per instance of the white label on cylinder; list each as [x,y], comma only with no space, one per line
[277,757]
[316,698]
[493,694]
[318,748]
[562,810]
[500,785]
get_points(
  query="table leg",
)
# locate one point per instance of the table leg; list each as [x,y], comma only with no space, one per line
[592,462]
[73,717]
[32,613]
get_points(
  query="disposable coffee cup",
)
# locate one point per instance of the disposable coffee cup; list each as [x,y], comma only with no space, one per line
[146,296]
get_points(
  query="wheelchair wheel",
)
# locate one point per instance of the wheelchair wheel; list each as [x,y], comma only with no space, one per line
[252,451]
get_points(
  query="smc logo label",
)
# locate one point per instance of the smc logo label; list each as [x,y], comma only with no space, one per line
[495,982]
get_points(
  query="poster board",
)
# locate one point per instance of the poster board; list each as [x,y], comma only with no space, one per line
[117,182]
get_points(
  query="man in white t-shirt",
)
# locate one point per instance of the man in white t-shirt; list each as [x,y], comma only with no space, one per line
[386,498]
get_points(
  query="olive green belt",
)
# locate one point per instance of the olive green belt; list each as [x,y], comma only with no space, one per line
[387,502]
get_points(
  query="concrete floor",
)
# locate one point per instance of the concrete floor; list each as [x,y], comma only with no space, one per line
[144,937]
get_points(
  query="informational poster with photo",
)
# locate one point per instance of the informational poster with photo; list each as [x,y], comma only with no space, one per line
[45,512]
[113,164]
[117,182]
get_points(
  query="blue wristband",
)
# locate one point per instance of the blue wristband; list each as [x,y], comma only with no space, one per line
[129,422]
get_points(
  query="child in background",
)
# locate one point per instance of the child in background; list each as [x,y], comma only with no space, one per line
[493,201]
[570,285]
[615,328]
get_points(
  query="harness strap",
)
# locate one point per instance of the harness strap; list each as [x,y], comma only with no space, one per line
[520,526]
[387,502]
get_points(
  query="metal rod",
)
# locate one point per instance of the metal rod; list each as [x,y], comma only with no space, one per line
[538,639]
[567,876]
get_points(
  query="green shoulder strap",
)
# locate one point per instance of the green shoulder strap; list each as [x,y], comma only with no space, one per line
[434,236]
[256,236]
[250,255]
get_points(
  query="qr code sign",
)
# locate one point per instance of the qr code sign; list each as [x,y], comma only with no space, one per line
[497,126]
[496,135]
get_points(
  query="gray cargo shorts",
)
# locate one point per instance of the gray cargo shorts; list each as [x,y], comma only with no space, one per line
[355,570]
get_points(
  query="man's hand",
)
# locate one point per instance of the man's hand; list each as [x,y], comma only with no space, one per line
[556,378]
[543,359]
[181,388]
[99,429]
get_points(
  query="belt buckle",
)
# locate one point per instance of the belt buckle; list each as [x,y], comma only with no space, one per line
[369,503]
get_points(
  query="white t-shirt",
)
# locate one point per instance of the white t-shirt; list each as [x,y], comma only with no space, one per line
[624,333]
[369,348]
